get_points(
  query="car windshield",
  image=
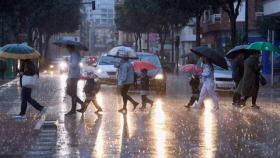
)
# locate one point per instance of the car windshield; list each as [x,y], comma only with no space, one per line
[107,60]
[152,59]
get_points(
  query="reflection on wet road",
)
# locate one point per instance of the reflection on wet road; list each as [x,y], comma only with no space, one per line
[165,130]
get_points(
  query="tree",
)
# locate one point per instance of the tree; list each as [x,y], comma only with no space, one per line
[231,7]
[39,19]
[132,17]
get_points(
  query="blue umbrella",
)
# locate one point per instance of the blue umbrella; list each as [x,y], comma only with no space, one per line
[18,51]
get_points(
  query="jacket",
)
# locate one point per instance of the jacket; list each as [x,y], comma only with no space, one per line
[194,83]
[125,73]
[248,85]
[145,82]
[237,70]
[27,68]
[74,67]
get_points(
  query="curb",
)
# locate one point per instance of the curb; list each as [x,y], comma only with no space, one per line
[10,82]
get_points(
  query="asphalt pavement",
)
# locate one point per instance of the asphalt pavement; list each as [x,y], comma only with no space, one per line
[165,130]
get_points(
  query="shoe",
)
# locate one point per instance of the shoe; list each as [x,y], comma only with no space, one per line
[82,110]
[20,117]
[70,113]
[142,108]
[216,108]
[195,105]
[187,106]
[122,110]
[242,103]
[152,103]
[44,111]
[135,105]
[255,106]
[98,110]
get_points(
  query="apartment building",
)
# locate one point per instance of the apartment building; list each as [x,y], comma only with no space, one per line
[215,27]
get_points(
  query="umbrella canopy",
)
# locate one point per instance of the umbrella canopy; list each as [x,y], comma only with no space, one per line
[263,46]
[123,52]
[18,51]
[212,55]
[241,49]
[191,68]
[140,65]
[71,43]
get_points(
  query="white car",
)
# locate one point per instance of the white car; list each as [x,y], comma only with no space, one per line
[223,79]
[105,69]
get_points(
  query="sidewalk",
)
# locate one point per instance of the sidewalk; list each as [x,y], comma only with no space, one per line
[16,136]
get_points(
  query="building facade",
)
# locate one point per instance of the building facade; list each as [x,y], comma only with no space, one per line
[215,25]
[101,34]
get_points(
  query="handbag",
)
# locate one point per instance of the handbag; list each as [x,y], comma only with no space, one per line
[30,81]
[262,80]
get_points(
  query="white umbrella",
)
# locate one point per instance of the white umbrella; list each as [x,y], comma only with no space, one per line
[123,52]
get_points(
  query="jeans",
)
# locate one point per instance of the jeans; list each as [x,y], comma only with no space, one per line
[145,100]
[26,97]
[208,89]
[72,85]
[236,96]
[124,90]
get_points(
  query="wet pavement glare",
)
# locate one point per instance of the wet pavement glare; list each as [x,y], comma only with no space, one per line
[165,130]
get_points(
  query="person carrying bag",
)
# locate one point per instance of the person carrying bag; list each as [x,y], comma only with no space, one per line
[28,79]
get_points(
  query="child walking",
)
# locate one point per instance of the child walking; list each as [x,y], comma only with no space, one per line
[208,86]
[145,87]
[194,83]
[91,88]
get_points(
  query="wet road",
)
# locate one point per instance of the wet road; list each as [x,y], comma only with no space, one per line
[165,130]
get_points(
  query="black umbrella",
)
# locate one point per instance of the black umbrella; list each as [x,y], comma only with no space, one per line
[71,43]
[212,55]
[190,55]
[241,49]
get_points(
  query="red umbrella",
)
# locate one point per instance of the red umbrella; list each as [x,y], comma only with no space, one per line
[191,68]
[140,65]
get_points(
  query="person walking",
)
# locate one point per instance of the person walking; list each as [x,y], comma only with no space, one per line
[91,88]
[237,74]
[29,69]
[125,80]
[73,78]
[145,87]
[249,84]
[208,87]
[195,85]
[3,68]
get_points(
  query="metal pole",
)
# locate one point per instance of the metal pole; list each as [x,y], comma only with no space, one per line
[246,21]
[272,61]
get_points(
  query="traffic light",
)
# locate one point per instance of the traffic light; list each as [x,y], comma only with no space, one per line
[93,5]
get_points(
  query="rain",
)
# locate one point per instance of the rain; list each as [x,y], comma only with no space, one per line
[125,78]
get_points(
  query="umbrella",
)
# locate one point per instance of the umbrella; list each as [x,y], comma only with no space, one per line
[191,68]
[189,55]
[266,46]
[212,55]
[263,46]
[241,49]
[18,51]
[140,65]
[76,44]
[123,52]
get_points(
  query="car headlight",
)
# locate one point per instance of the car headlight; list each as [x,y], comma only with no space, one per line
[159,77]
[99,71]
[63,65]
[51,66]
